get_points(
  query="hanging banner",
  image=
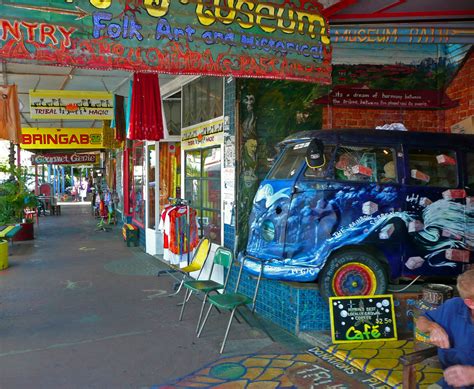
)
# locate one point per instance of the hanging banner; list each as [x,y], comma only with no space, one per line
[61,138]
[64,159]
[71,105]
[203,135]
[280,40]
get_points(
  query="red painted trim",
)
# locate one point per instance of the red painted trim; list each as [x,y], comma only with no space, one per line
[126,182]
[397,2]
[327,12]
[378,15]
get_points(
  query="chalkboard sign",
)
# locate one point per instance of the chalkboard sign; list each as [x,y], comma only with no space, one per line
[362,318]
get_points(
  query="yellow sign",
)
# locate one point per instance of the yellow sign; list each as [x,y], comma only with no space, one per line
[71,105]
[203,135]
[61,138]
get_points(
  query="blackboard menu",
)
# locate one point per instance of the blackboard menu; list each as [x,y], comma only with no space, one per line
[362,318]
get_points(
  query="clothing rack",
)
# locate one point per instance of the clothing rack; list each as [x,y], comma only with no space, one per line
[187,233]
[177,201]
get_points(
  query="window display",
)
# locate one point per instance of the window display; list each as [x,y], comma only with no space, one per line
[151,155]
[138,179]
[203,189]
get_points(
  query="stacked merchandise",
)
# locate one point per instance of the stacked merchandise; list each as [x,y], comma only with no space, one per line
[178,223]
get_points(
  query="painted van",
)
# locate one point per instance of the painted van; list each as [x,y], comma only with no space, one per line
[377,205]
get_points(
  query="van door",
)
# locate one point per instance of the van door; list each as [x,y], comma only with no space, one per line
[435,207]
[268,219]
[351,203]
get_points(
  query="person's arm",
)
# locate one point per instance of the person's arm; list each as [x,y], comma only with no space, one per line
[438,335]
[459,375]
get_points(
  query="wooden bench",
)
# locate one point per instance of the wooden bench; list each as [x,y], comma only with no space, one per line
[130,234]
[9,232]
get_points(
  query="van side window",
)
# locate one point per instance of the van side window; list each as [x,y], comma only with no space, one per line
[432,168]
[366,164]
[321,171]
[470,170]
[289,163]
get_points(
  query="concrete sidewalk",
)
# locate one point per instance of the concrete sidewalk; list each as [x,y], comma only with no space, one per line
[79,309]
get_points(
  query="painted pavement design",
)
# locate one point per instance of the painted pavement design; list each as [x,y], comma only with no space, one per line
[382,361]
[304,370]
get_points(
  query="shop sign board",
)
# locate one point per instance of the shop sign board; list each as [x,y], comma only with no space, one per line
[362,318]
[278,40]
[202,135]
[389,99]
[61,138]
[71,105]
[64,159]
[461,34]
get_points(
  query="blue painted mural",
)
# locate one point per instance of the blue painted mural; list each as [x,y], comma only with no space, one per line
[302,218]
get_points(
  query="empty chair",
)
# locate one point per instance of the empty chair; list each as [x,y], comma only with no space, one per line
[231,301]
[222,257]
[197,263]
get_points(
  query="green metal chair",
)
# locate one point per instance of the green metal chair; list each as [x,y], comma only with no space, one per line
[197,263]
[231,301]
[222,257]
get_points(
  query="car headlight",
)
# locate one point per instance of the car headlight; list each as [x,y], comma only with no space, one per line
[268,230]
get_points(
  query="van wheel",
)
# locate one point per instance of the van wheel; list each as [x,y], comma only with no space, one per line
[352,273]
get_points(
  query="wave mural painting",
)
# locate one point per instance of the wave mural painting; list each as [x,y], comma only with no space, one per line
[355,230]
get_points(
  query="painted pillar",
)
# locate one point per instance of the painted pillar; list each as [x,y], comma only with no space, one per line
[63,179]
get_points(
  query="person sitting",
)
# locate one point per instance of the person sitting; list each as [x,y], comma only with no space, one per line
[389,172]
[451,328]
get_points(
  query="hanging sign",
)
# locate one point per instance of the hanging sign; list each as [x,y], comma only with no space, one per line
[280,40]
[203,135]
[384,98]
[61,138]
[59,104]
[64,159]
[362,318]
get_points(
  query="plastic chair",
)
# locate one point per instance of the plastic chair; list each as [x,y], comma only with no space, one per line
[222,257]
[197,263]
[231,301]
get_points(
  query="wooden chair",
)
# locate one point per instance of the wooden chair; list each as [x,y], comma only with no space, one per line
[409,362]
[231,301]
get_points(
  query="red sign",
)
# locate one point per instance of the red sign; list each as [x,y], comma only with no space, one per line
[63,159]
[382,98]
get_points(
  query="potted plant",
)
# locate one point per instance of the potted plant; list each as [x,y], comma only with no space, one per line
[15,197]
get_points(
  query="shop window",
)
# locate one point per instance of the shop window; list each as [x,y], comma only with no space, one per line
[202,100]
[470,170]
[151,155]
[170,172]
[172,111]
[365,164]
[432,168]
[138,180]
[203,189]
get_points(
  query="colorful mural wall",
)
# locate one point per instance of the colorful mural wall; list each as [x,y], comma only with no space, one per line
[246,39]
[274,110]
[270,110]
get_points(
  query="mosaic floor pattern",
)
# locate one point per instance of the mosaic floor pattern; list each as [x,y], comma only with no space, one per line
[262,371]
[381,360]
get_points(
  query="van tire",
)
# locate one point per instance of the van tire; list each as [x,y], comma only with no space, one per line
[352,272]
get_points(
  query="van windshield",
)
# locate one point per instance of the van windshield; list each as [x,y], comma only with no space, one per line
[289,163]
